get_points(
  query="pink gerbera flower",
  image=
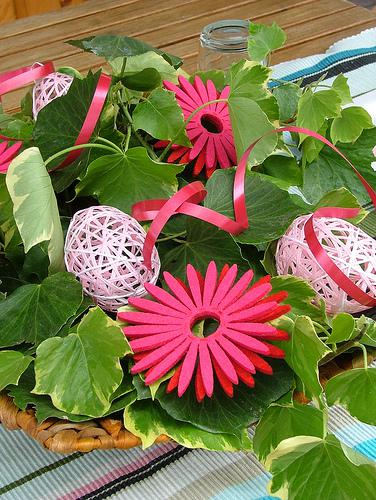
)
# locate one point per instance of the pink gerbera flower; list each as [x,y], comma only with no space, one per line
[209,130]
[7,154]
[161,335]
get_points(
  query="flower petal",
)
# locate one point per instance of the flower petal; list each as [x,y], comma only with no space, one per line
[210,283]
[201,89]
[194,285]
[212,94]
[260,363]
[199,386]
[179,290]
[250,298]
[255,313]
[245,377]
[237,290]
[222,359]
[188,367]
[253,329]
[236,354]
[153,341]
[199,145]
[154,307]
[206,368]
[149,318]
[173,382]
[225,285]
[165,298]
[168,363]
[224,381]
[247,341]
[223,95]
[210,153]
[200,162]
[157,355]
[144,330]
[189,89]
[180,94]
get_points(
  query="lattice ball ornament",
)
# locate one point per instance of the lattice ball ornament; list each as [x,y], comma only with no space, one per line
[350,248]
[49,88]
[103,248]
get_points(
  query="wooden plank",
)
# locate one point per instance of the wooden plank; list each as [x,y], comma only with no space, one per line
[26,8]
[73,12]
[158,28]
[7,12]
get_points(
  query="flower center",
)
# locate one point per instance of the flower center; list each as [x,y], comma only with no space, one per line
[204,325]
[211,123]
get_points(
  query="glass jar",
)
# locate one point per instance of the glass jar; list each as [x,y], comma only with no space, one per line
[222,43]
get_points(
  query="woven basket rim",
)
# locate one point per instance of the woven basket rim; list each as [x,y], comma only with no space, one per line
[63,436]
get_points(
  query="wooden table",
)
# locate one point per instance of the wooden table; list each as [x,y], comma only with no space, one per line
[311,27]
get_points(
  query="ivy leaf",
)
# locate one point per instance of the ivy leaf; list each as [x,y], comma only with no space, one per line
[112,46]
[34,205]
[244,111]
[264,39]
[355,390]
[203,243]
[367,326]
[314,107]
[303,352]
[134,67]
[80,372]
[33,313]
[349,126]
[343,328]
[270,209]
[342,88]
[249,80]
[287,96]
[331,474]
[331,172]
[283,422]
[284,168]
[232,415]
[161,117]
[311,147]
[120,180]
[147,420]
[342,198]
[12,365]
[58,124]
[300,298]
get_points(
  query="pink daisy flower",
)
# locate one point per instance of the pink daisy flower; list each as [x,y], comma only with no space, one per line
[161,336]
[7,153]
[209,130]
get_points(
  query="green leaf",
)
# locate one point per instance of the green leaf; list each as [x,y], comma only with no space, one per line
[270,209]
[80,372]
[300,298]
[203,243]
[217,76]
[139,65]
[311,147]
[355,390]
[120,180]
[33,313]
[340,85]
[147,420]
[283,422]
[221,414]
[249,80]
[287,96]
[342,198]
[312,468]
[343,328]
[368,328]
[331,172]
[244,111]
[349,126]
[264,39]
[314,107]
[34,205]
[58,124]
[285,168]
[303,352]
[112,46]
[12,365]
[161,117]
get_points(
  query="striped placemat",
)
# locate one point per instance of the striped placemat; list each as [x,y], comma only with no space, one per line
[169,471]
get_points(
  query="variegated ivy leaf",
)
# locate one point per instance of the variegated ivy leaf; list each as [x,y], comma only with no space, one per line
[12,365]
[81,371]
[34,205]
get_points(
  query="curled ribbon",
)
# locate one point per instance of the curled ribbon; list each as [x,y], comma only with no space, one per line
[186,201]
[12,80]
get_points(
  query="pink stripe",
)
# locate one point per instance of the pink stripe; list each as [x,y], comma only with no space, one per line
[146,458]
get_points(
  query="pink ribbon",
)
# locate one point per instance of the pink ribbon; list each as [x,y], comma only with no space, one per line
[92,117]
[186,201]
[13,80]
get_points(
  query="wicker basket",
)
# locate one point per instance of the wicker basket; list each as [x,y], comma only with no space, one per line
[62,436]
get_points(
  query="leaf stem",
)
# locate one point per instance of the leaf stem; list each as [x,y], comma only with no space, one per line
[75,148]
[139,137]
[127,138]
[110,143]
[171,237]
[168,147]
[365,354]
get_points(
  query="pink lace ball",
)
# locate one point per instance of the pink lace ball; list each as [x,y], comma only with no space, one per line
[103,248]
[350,248]
[49,88]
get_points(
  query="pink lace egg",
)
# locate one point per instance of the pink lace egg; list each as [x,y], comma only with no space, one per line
[49,88]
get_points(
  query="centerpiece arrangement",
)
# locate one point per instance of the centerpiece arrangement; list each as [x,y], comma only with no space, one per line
[183,255]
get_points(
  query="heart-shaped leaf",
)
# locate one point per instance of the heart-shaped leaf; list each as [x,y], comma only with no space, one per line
[81,371]
[33,313]
[12,365]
